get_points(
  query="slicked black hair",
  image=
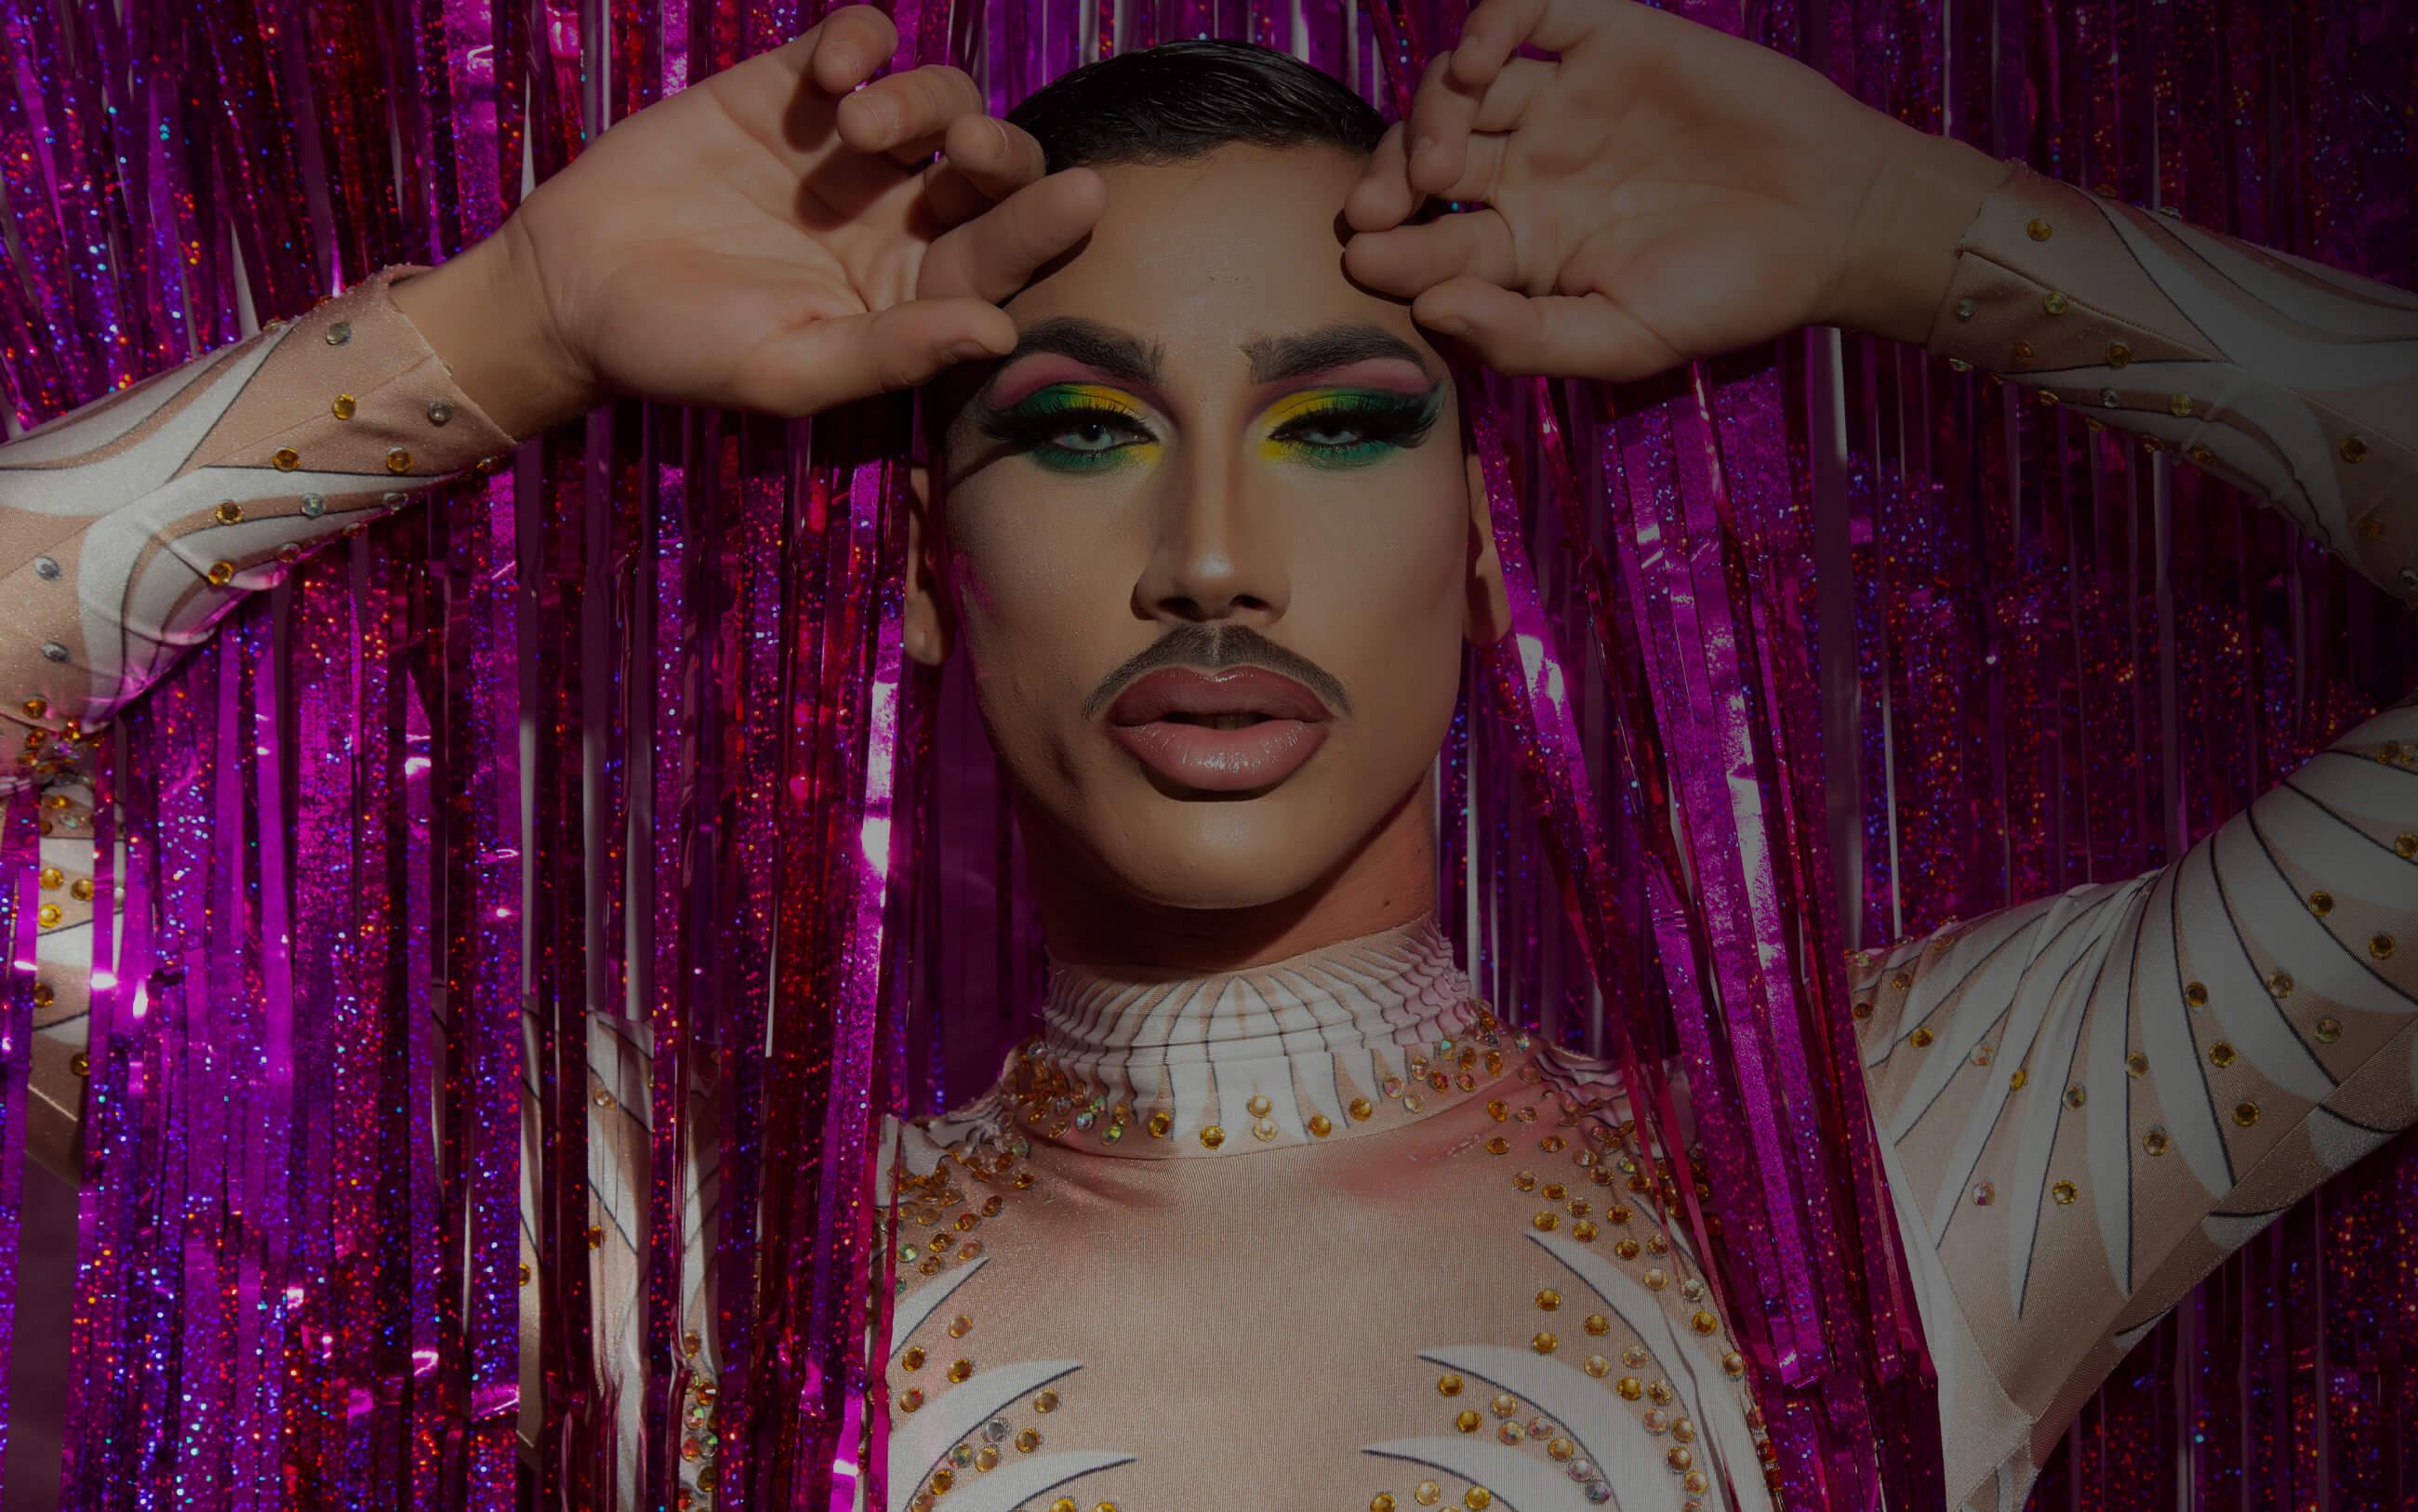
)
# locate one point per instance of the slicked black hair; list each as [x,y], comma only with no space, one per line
[1183,99]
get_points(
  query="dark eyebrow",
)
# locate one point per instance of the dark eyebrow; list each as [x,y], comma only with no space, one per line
[1112,351]
[1275,358]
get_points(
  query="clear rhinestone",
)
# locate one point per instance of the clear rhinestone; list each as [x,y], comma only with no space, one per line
[2111,399]
[46,567]
[55,651]
[313,505]
[439,412]
[338,333]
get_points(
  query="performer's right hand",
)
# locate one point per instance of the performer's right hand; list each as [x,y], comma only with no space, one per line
[764,240]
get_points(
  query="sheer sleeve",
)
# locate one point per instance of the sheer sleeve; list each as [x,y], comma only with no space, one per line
[2086,1101]
[129,527]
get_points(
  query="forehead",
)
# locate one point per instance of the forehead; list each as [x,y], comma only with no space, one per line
[1203,256]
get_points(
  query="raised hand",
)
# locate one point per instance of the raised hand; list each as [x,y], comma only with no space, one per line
[1656,192]
[767,241]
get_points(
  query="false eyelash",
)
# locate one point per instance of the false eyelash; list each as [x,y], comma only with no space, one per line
[1394,420]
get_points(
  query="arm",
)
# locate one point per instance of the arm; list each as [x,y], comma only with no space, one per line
[2089,1101]
[133,524]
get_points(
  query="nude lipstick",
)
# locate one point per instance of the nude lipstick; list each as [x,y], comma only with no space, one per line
[1227,731]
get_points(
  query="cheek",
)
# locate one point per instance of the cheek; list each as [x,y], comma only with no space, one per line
[1031,612]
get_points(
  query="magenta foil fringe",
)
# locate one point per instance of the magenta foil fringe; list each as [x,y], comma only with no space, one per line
[1816,647]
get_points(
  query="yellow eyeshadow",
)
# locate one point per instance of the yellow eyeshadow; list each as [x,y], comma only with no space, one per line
[1293,407]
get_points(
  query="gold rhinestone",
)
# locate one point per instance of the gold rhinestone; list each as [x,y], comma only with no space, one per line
[2019,1078]
[2118,355]
[2075,1096]
[1213,1136]
[1863,1010]
[2054,302]
[287,459]
[2280,985]
[2195,994]
[1263,1130]
[1382,1502]
[1549,1299]
[1656,1278]
[44,995]
[1545,1343]
[2381,946]
[1597,1366]
[1159,1123]
[36,707]
[1361,1111]
[1028,1441]
[2200,455]
[2022,352]
[50,915]
[2404,845]
[2372,527]
[2321,903]
[229,511]
[2245,1114]
[909,1399]
[2137,1064]
[2064,1193]
[2354,449]
[960,1369]
[2220,1055]
[2178,406]
[398,459]
[1064,1504]
[1045,1402]
[1547,1222]
[1681,1456]
[1584,1231]
[2329,1029]
[342,407]
[289,553]
[79,1064]
[1449,1385]
[595,1238]
[1468,1420]
[52,879]
[1320,1126]
[2155,1141]
[1478,1499]
[913,1358]
[1259,1104]
[2047,397]
[1921,1038]
[1498,1146]
[1427,1494]
[222,573]
[961,1326]
[1703,1322]
[2038,229]
[1629,1388]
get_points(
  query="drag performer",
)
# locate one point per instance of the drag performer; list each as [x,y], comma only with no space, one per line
[1272,1206]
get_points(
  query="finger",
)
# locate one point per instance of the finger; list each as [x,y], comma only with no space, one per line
[902,110]
[1441,113]
[836,361]
[1477,173]
[848,46]
[1443,118]
[1557,336]
[1408,261]
[1383,197]
[984,161]
[997,253]
[1495,29]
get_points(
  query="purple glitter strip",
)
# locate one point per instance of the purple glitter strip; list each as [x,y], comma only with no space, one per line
[20,862]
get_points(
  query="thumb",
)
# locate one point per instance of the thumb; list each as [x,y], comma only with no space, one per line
[1562,336]
[841,358]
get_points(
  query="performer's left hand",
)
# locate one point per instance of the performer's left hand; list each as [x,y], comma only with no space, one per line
[1658,192]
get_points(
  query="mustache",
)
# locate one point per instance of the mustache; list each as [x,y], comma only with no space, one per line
[1213,649]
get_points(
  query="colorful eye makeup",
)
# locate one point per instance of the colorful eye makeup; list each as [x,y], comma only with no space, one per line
[1090,427]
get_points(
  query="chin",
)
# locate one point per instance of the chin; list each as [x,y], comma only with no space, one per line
[1243,853]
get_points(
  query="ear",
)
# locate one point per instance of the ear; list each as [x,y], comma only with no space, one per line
[927,624]
[1489,601]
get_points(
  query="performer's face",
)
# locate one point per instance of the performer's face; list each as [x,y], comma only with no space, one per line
[1211,539]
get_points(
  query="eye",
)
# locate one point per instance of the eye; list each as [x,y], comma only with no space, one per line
[1349,428]
[1072,428]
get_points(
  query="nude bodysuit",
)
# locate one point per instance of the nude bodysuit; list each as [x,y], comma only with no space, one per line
[2083,1102]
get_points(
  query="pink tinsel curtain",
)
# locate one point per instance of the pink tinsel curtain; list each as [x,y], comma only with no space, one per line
[1971,650]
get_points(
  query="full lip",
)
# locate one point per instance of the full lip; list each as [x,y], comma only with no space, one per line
[1157,719]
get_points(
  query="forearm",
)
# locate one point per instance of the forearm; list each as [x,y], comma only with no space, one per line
[2295,382]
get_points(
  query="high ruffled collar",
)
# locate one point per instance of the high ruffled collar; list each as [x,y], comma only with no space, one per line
[1351,1039]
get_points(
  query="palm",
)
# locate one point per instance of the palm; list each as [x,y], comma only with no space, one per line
[1658,192]
[724,244]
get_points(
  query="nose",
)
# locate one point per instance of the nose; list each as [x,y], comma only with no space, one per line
[1217,556]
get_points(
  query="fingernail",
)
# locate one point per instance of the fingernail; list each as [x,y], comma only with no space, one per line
[1449,324]
[845,60]
[1422,146]
[968,352]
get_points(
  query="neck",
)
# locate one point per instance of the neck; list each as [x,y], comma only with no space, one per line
[1354,1038]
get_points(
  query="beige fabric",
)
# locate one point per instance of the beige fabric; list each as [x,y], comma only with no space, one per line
[1202,1311]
